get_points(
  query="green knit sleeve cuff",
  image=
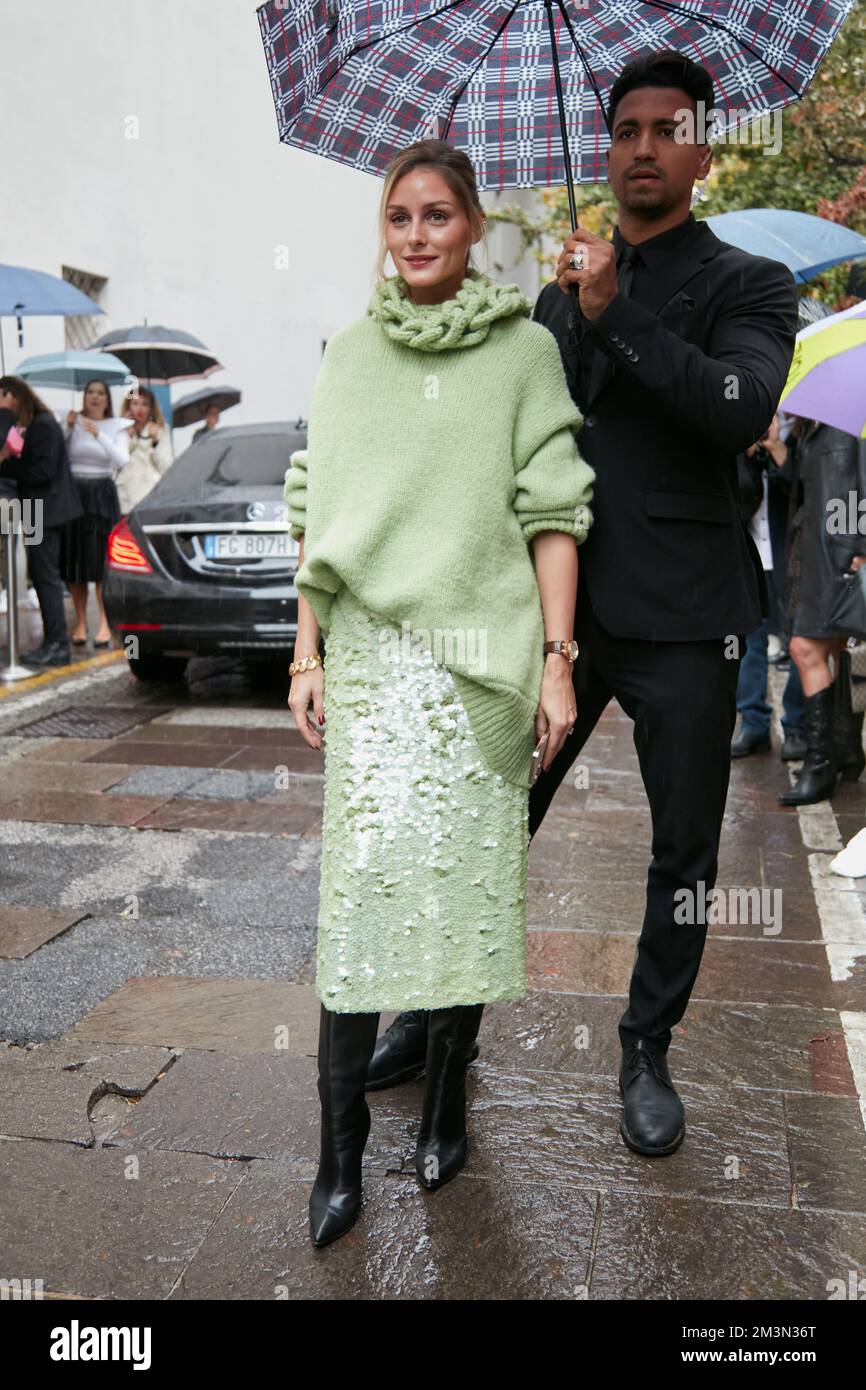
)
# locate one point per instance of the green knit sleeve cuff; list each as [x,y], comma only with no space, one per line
[576,523]
[554,488]
[295,493]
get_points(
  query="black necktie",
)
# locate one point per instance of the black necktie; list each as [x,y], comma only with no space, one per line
[628,261]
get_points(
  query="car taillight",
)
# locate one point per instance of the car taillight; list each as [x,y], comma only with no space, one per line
[124,552]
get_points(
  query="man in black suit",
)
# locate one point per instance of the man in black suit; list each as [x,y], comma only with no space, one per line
[676,352]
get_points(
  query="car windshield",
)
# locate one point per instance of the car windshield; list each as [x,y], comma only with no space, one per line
[253,460]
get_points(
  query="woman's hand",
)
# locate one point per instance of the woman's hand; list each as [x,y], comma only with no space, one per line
[308,687]
[90,425]
[71,418]
[858,562]
[557,707]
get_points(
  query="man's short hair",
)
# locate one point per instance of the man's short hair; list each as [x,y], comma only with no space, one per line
[664,68]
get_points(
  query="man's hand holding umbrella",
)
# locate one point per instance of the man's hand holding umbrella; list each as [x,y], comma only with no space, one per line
[593,271]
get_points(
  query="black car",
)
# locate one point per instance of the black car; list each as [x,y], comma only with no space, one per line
[204,564]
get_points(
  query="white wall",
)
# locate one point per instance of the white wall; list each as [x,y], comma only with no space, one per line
[186,219]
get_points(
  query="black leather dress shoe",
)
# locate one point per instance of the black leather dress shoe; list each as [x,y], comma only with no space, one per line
[48,654]
[401,1052]
[748,742]
[653,1120]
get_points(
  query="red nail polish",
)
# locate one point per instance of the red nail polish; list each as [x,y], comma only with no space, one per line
[321,719]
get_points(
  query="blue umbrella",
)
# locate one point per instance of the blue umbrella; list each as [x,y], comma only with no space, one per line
[24,292]
[73,369]
[804,243]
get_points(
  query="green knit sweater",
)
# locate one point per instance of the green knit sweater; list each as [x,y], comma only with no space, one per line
[441,439]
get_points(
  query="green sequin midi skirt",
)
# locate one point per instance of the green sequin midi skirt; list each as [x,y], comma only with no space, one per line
[422,900]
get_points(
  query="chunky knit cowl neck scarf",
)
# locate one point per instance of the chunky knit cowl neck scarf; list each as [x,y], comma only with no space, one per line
[456,323]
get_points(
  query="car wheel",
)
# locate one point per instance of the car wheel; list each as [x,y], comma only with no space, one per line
[158,668]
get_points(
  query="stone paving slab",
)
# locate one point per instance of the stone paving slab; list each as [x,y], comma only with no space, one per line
[739,971]
[227,1015]
[267,757]
[69,750]
[29,776]
[538,1128]
[55,988]
[155,754]
[662,1247]
[24,929]
[81,808]
[253,818]
[93,1231]
[248,1105]
[46,1091]
[773,1047]
[470,1240]
[618,905]
[205,734]
[828,1151]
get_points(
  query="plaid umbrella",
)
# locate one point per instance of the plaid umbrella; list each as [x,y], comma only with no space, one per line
[520,85]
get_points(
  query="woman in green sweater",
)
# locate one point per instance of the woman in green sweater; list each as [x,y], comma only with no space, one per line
[439,505]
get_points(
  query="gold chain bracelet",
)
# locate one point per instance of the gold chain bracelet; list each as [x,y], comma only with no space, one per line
[307,663]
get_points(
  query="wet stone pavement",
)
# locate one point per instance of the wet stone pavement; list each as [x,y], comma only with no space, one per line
[158,1108]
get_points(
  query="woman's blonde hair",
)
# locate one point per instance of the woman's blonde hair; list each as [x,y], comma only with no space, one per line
[456,169]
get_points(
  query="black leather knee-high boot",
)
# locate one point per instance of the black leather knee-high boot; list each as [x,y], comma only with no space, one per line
[817,777]
[847,726]
[442,1144]
[346,1043]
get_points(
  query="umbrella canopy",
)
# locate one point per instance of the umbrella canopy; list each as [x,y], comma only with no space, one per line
[804,243]
[159,356]
[358,80]
[73,369]
[195,406]
[25,292]
[827,380]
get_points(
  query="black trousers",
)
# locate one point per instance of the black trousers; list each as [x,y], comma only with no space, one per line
[682,699]
[43,563]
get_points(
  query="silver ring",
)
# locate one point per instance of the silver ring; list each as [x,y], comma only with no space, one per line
[576,260]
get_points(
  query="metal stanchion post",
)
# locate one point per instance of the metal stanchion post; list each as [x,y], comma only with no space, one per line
[13,669]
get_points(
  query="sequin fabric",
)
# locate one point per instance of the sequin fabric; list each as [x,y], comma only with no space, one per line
[424,847]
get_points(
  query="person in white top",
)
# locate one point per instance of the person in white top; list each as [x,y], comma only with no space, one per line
[149,448]
[98,452]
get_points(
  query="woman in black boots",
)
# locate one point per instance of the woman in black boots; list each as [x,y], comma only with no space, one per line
[445,595]
[826,601]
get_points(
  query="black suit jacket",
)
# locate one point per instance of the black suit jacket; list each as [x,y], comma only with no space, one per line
[672,388]
[42,472]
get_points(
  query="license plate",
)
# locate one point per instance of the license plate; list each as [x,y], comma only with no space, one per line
[250,545]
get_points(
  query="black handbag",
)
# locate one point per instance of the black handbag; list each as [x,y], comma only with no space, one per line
[848,613]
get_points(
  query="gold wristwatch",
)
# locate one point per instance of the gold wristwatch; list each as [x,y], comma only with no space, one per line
[566,649]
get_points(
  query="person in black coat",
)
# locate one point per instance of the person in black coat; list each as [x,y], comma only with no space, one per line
[826,603]
[44,481]
[677,353]
[763,506]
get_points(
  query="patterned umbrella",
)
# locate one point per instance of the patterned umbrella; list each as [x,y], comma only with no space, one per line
[520,85]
